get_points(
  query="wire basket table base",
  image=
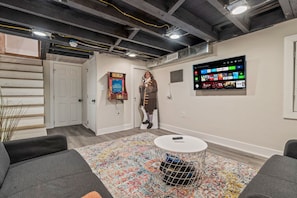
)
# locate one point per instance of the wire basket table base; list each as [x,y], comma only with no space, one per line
[179,170]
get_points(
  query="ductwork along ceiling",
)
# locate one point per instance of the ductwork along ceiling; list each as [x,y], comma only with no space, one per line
[143,27]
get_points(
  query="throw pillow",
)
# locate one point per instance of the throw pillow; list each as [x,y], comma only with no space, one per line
[92,194]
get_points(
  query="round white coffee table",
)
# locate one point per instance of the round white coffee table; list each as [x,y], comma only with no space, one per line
[182,160]
[180,143]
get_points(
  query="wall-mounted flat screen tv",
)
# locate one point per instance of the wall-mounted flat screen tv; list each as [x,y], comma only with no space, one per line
[222,74]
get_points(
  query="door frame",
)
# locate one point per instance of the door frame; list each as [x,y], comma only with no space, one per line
[91,114]
[133,110]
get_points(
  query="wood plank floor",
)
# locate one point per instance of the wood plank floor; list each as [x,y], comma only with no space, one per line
[78,136]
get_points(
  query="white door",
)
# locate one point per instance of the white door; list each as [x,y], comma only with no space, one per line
[91,94]
[137,80]
[67,95]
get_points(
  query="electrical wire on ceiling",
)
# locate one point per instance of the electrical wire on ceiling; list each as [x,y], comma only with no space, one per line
[34,31]
[133,17]
[15,27]
[92,46]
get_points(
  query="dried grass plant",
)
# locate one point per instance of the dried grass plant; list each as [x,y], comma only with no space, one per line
[10,115]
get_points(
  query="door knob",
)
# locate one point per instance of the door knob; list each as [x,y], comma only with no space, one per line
[79,100]
[93,100]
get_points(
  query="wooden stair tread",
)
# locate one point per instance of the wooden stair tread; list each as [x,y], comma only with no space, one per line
[25,105]
[4,58]
[15,70]
[27,116]
[30,127]
[22,96]
[12,87]
[22,78]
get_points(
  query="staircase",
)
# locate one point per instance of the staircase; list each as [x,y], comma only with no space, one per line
[22,85]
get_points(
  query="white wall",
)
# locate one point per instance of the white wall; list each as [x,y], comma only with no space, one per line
[114,115]
[252,122]
[21,46]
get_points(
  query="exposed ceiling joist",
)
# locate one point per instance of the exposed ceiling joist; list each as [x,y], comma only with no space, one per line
[205,30]
[289,8]
[175,6]
[133,33]
[108,13]
[68,53]
[115,44]
[51,12]
[44,49]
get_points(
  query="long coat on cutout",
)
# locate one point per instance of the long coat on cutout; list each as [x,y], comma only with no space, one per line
[148,95]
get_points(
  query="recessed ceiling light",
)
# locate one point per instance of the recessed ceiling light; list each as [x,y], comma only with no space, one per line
[237,7]
[132,54]
[173,33]
[174,36]
[39,33]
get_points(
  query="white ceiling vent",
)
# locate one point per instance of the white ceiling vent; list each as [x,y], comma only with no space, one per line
[171,57]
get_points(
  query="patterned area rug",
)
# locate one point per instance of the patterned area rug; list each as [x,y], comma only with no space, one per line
[126,166]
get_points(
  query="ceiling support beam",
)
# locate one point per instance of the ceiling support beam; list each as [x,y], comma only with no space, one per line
[135,47]
[44,49]
[132,34]
[289,8]
[175,6]
[55,48]
[203,30]
[116,44]
[71,54]
[238,22]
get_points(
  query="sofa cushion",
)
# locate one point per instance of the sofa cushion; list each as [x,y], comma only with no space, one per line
[31,173]
[76,185]
[35,147]
[270,186]
[4,163]
[281,167]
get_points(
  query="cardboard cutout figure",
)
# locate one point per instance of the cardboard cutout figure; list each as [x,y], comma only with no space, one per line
[148,98]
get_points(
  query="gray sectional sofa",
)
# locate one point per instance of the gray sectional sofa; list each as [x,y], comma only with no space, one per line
[277,178]
[43,167]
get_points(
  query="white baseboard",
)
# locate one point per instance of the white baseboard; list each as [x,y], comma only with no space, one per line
[114,129]
[85,125]
[234,144]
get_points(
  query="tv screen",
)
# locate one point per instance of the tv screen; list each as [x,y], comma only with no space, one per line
[222,74]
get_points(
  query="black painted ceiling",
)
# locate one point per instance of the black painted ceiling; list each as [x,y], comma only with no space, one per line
[140,26]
